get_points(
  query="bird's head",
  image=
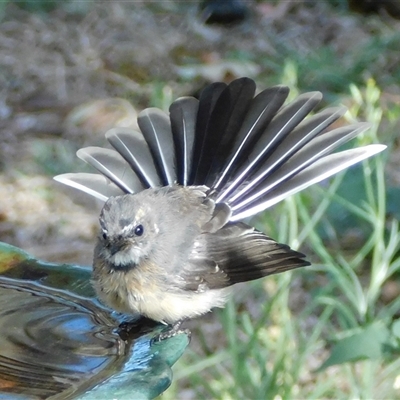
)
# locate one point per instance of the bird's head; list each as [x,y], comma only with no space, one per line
[128,232]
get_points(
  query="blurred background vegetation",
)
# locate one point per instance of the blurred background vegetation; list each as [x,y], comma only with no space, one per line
[70,70]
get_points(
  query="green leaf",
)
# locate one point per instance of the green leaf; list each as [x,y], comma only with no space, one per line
[369,343]
[393,205]
[396,329]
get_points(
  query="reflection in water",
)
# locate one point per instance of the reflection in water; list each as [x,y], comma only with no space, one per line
[53,343]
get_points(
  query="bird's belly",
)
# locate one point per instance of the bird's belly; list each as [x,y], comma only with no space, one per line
[170,307]
[142,291]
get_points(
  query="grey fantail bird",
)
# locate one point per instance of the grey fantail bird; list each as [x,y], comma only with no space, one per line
[171,244]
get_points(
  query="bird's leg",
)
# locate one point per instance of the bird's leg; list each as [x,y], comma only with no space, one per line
[171,331]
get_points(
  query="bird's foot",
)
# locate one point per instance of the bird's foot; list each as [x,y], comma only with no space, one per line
[171,331]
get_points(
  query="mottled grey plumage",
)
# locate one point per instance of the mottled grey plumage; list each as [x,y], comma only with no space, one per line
[173,252]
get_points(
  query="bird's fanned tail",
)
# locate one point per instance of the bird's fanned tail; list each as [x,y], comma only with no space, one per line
[250,152]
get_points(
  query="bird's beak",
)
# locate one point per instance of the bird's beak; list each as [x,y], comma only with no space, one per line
[117,246]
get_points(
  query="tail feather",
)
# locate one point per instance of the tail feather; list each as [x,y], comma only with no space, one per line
[262,109]
[208,99]
[93,184]
[225,122]
[156,129]
[183,113]
[320,170]
[293,142]
[280,126]
[273,173]
[250,152]
[135,150]
[113,166]
[299,137]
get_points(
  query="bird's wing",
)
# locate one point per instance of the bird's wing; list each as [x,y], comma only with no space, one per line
[236,253]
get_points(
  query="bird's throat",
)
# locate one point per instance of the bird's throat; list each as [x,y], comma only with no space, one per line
[124,260]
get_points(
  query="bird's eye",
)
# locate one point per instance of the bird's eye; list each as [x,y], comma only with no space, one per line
[104,236]
[139,230]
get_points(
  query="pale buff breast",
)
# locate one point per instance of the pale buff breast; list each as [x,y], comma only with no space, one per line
[141,292]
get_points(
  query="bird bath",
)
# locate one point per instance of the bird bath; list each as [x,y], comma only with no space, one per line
[57,341]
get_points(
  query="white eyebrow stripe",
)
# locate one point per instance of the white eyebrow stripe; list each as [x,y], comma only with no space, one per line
[128,228]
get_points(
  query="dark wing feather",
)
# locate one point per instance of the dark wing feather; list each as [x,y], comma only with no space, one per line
[237,253]
[201,274]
